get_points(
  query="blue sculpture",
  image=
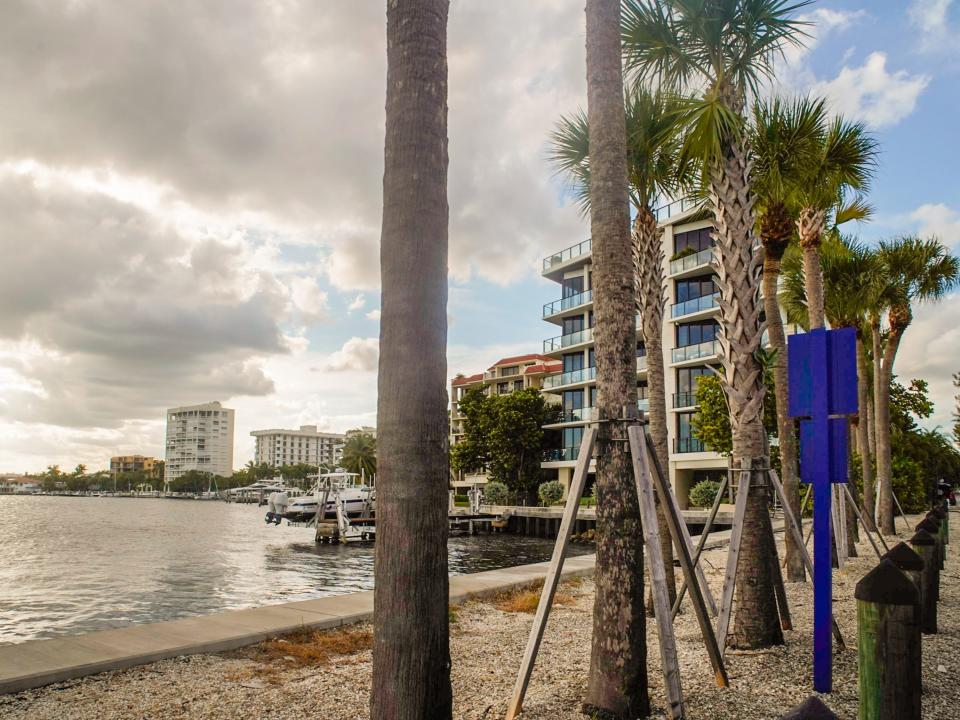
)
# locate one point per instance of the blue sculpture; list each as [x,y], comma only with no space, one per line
[822,372]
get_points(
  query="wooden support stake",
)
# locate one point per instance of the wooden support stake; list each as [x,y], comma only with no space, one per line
[733,557]
[553,571]
[863,523]
[925,545]
[803,507]
[835,521]
[900,510]
[841,510]
[704,534]
[681,541]
[888,645]
[780,591]
[658,575]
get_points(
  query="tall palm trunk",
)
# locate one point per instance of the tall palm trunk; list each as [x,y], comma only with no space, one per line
[776,230]
[618,659]
[810,228]
[411,653]
[899,320]
[863,431]
[738,268]
[648,271]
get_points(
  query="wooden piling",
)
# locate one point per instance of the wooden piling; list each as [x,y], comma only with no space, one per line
[907,560]
[932,526]
[944,517]
[888,645]
[941,536]
[811,709]
[925,546]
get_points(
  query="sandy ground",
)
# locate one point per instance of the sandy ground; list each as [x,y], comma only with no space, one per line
[486,646]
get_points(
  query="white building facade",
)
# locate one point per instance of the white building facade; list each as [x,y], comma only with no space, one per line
[199,437]
[290,447]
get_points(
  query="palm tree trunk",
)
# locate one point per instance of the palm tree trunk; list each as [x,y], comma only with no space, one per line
[411,651]
[648,272]
[617,685]
[810,229]
[738,267]
[863,432]
[785,428]
[882,383]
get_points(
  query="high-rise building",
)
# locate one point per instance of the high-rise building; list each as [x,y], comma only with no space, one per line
[690,344]
[291,447]
[199,437]
[135,463]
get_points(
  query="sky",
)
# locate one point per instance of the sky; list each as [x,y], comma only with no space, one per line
[190,200]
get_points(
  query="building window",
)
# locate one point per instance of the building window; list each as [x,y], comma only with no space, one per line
[518,384]
[641,349]
[572,399]
[687,378]
[511,370]
[572,325]
[572,286]
[696,240]
[694,333]
[503,388]
[572,438]
[572,362]
[693,288]
[686,442]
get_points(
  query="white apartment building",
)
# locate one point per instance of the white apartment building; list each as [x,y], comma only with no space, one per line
[199,437]
[689,344]
[290,447]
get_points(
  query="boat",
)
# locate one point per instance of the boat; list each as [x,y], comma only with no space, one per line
[350,490]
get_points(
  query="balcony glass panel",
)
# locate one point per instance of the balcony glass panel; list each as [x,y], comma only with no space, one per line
[684,399]
[688,445]
[552,308]
[696,305]
[562,341]
[561,454]
[692,352]
[567,378]
[567,254]
[689,262]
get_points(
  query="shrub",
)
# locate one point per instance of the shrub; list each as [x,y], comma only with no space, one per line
[704,493]
[909,485]
[550,492]
[495,493]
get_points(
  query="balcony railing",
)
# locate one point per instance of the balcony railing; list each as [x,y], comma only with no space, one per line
[566,303]
[684,399]
[567,254]
[642,363]
[688,445]
[562,341]
[692,352]
[568,378]
[587,414]
[677,207]
[643,405]
[561,454]
[699,304]
[689,262]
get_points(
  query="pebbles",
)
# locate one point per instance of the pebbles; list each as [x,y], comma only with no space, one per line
[486,646]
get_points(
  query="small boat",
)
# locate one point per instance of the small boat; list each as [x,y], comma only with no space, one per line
[356,498]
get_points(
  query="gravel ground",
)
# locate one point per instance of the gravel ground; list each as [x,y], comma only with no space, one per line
[487,644]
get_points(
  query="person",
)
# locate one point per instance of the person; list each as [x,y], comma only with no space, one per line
[945,492]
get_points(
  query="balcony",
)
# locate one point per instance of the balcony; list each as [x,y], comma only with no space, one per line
[700,304]
[688,445]
[555,344]
[561,454]
[677,207]
[688,263]
[566,255]
[684,400]
[567,303]
[569,378]
[695,352]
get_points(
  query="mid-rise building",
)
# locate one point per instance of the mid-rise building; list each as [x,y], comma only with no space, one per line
[199,437]
[136,463]
[291,447]
[362,430]
[690,344]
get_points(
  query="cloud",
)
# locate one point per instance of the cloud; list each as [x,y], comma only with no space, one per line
[310,300]
[373,314]
[929,15]
[873,94]
[792,71]
[356,355]
[938,220]
[357,303]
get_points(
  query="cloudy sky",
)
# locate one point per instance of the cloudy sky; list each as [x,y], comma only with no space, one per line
[190,199]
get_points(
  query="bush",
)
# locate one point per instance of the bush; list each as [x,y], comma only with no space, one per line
[909,485]
[550,492]
[704,493]
[495,493]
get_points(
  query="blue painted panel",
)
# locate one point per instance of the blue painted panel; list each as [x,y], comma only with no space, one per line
[818,463]
[800,377]
[839,450]
[842,382]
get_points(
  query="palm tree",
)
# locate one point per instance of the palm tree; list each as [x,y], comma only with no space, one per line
[653,146]
[914,270]
[782,139]
[727,48]
[360,454]
[839,173]
[411,647]
[617,685]
[80,470]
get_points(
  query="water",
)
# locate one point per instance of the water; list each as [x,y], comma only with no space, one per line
[76,564]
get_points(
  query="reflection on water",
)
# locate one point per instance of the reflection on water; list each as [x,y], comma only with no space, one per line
[70,565]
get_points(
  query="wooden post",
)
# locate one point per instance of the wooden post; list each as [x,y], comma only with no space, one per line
[553,572]
[888,645]
[941,537]
[658,573]
[733,557]
[944,517]
[931,525]
[811,709]
[704,534]
[908,562]
[900,509]
[863,522]
[925,546]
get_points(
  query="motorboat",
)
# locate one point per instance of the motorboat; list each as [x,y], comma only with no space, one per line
[355,496]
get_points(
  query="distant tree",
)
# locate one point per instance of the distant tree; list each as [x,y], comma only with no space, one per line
[956,410]
[80,469]
[360,453]
[711,423]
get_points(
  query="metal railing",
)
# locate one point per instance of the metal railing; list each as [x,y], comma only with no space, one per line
[684,400]
[562,341]
[677,207]
[688,445]
[568,378]
[566,254]
[561,454]
[693,352]
[586,414]
[706,302]
[689,262]
[566,303]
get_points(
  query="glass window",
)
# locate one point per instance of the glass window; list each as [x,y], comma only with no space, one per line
[572,324]
[687,378]
[692,288]
[641,349]
[697,240]
[572,286]
[572,437]
[573,399]
[592,361]
[684,428]
[694,333]
[511,370]
[572,361]
[518,384]
[643,391]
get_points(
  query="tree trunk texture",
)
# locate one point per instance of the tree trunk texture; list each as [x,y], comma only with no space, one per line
[617,685]
[883,377]
[790,472]
[648,272]
[738,267]
[411,653]
[863,432]
[810,229]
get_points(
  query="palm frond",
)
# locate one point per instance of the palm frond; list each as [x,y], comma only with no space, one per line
[570,155]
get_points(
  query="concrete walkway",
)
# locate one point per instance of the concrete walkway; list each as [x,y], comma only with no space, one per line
[41,662]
